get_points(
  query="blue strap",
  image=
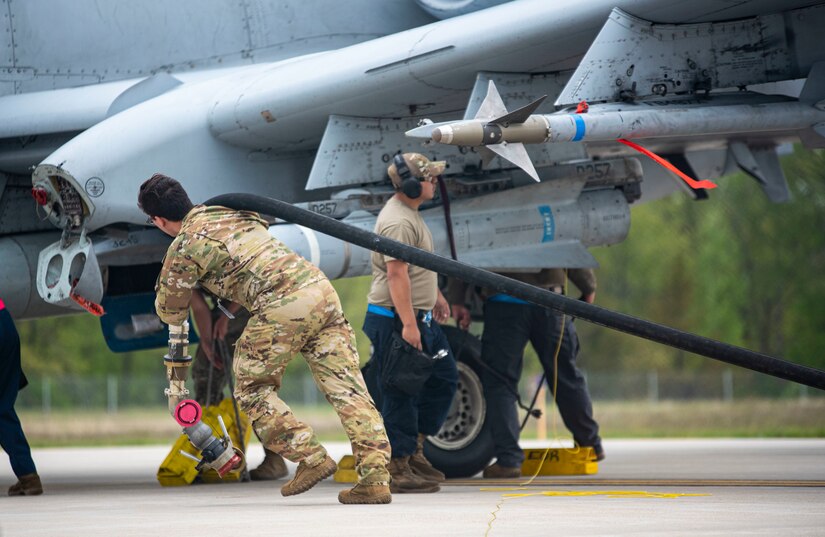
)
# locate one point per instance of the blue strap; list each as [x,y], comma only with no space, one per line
[386,312]
[507,298]
[380,310]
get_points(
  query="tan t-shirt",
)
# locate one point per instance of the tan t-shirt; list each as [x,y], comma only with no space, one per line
[402,223]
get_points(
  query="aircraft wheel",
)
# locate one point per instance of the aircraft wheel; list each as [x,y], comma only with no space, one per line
[464,445]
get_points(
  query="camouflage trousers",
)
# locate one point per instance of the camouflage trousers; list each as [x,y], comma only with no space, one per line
[310,322]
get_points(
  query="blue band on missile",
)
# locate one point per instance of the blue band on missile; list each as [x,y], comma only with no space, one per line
[580,128]
[549,223]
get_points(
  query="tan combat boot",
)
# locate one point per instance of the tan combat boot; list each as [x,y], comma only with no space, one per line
[421,466]
[272,468]
[27,485]
[403,480]
[307,477]
[366,494]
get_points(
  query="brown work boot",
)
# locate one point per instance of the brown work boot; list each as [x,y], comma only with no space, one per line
[496,471]
[403,480]
[27,485]
[421,466]
[369,494]
[307,477]
[272,468]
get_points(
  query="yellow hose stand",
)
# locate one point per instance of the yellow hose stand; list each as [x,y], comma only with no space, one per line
[346,470]
[559,461]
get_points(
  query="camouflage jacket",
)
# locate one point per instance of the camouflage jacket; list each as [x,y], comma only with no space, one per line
[232,255]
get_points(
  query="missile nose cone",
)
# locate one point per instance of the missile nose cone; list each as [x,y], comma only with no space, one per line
[423,132]
[438,132]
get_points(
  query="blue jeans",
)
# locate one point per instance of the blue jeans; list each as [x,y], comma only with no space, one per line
[12,439]
[406,416]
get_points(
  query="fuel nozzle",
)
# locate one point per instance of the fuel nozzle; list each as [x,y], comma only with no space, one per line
[218,453]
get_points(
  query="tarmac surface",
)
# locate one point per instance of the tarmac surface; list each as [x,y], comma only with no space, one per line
[644,487]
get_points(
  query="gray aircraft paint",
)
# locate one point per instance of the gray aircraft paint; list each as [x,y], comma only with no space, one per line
[236,97]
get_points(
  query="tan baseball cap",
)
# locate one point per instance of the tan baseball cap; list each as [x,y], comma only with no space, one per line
[420,166]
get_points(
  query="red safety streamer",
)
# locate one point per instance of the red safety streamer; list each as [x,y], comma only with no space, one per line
[692,183]
[92,307]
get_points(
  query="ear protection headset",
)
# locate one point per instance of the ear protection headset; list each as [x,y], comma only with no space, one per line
[410,186]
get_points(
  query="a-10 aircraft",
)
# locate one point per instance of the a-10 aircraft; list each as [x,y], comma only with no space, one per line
[308,102]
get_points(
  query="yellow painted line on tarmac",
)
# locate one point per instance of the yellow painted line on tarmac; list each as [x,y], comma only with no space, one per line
[510,494]
[591,482]
[607,493]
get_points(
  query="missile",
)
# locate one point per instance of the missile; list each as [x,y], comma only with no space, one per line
[734,114]
[630,124]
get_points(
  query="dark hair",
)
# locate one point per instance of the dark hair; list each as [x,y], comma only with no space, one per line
[162,196]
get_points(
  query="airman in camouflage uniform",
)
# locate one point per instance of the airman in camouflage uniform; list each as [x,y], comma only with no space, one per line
[294,310]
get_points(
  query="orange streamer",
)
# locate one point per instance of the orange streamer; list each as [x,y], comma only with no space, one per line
[692,183]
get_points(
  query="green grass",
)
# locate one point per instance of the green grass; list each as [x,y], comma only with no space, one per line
[757,418]
[751,418]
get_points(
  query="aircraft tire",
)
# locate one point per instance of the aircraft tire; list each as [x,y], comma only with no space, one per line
[464,445]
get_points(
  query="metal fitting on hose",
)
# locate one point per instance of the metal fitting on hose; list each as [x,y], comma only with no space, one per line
[177,362]
[176,393]
[178,344]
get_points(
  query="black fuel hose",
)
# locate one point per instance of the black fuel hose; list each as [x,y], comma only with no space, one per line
[666,335]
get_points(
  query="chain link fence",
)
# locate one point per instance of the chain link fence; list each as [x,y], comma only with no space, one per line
[112,393]
[726,385]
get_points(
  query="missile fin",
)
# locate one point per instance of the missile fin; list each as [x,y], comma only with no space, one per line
[520,115]
[814,137]
[762,163]
[517,154]
[487,156]
[492,106]
[813,92]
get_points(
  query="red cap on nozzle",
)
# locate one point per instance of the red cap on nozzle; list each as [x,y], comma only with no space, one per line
[234,462]
[188,413]
[40,195]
